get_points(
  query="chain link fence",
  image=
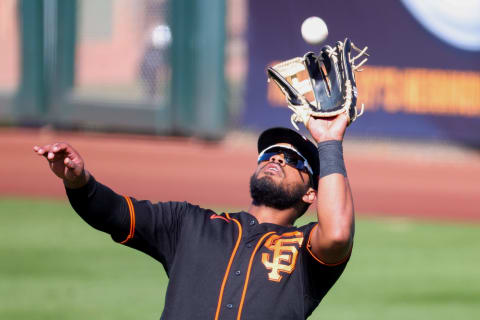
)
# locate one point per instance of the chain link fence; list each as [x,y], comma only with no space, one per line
[108,65]
[123,50]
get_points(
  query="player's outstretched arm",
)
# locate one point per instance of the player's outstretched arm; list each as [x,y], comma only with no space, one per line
[139,224]
[65,162]
[332,240]
[97,204]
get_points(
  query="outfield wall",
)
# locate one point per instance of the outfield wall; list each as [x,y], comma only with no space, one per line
[88,65]
[418,82]
[150,66]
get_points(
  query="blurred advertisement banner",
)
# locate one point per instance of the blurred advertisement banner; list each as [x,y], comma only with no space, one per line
[455,22]
[421,81]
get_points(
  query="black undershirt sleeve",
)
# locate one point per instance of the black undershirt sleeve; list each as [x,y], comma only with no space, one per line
[151,228]
[100,207]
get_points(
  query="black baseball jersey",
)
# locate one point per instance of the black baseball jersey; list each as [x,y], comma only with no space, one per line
[224,266]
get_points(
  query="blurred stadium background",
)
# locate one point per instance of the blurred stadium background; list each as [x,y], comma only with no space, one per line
[165,99]
[185,68]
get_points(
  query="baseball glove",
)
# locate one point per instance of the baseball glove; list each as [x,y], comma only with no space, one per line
[322,86]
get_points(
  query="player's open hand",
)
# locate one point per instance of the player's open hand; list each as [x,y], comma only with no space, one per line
[324,129]
[65,162]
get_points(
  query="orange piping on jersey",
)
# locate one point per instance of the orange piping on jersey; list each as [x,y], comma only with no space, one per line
[248,273]
[215,216]
[313,255]
[227,272]
[131,210]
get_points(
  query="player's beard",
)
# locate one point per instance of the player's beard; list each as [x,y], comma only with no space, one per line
[264,191]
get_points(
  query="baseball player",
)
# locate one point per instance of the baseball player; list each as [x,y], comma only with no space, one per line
[253,264]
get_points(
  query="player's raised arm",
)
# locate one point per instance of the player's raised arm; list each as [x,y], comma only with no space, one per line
[97,204]
[65,163]
[136,223]
[332,239]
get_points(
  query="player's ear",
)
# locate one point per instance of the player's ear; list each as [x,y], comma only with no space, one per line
[310,196]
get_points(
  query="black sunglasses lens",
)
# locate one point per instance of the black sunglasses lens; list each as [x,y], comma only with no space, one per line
[266,156]
[291,157]
[294,160]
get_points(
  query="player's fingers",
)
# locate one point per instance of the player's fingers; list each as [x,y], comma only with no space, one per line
[57,150]
[39,150]
[69,163]
[75,166]
[51,150]
[63,147]
[60,146]
[42,150]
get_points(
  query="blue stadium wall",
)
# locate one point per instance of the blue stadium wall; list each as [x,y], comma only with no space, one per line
[416,84]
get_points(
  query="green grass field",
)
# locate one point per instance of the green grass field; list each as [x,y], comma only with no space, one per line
[54,266]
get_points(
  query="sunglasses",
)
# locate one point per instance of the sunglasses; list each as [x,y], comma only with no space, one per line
[291,156]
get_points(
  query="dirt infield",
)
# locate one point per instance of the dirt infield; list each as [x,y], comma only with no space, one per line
[399,179]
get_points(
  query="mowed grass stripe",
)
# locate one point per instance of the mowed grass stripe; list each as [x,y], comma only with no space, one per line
[55,266]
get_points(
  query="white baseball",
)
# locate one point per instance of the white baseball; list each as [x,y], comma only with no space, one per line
[314,30]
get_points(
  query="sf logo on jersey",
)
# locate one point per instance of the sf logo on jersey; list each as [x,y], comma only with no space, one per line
[284,254]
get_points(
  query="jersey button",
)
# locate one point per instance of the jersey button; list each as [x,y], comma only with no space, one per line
[249,245]
[252,222]
[237,272]
[229,306]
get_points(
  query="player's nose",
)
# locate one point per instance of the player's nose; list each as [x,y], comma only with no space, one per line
[278,158]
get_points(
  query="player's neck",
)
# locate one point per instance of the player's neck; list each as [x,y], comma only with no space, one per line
[266,214]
